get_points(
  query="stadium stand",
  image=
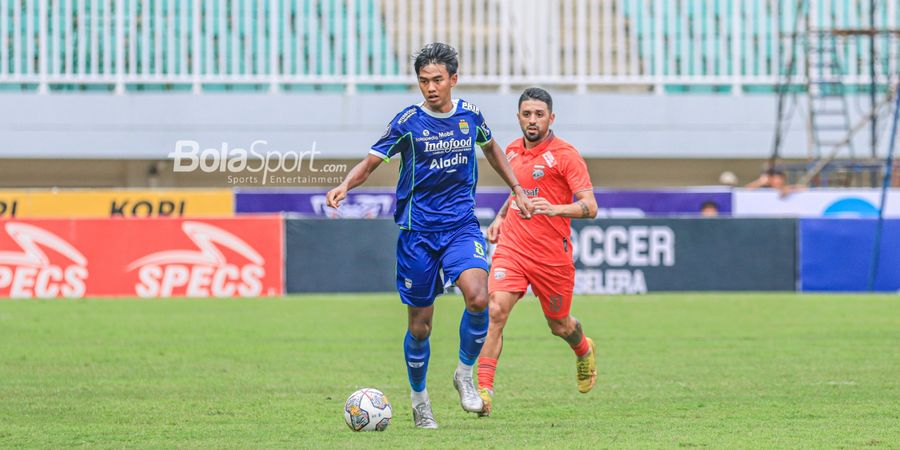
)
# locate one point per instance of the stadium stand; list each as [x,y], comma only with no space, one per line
[320,53]
[224,44]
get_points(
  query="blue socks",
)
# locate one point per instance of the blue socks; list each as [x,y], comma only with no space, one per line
[417,353]
[473,329]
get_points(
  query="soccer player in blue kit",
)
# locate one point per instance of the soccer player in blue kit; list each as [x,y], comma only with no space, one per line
[436,142]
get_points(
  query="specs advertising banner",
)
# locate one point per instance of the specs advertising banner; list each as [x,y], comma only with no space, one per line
[141,258]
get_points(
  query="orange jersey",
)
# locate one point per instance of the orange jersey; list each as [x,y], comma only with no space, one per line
[553,170]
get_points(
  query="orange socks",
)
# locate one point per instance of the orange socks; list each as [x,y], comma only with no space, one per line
[581,349]
[486,369]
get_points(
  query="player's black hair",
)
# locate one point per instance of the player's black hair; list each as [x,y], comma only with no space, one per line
[437,53]
[536,93]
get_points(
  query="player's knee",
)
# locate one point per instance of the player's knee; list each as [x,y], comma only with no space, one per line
[478,302]
[498,315]
[420,331]
[559,328]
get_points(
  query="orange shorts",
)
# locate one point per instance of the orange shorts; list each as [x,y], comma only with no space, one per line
[553,285]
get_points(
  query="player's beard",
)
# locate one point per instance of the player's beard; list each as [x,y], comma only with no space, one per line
[534,136]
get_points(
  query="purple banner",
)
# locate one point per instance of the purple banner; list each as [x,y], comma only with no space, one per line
[360,203]
[380,202]
[669,202]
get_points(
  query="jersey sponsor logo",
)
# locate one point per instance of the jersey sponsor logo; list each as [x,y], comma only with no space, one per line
[449,145]
[428,136]
[445,163]
[202,272]
[409,113]
[463,126]
[536,192]
[470,107]
[538,172]
[551,161]
[30,273]
[530,193]
[485,129]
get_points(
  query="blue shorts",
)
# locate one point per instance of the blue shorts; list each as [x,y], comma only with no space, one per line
[421,255]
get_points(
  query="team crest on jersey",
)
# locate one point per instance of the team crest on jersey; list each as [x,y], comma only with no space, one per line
[499,274]
[538,172]
[425,133]
[464,126]
[408,283]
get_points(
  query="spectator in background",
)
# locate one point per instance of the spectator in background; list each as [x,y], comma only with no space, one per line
[771,178]
[709,208]
[775,179]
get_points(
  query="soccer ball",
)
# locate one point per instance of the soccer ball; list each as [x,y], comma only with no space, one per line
[367,410]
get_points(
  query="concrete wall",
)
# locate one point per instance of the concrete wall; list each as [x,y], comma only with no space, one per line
[146,126]
[106,173]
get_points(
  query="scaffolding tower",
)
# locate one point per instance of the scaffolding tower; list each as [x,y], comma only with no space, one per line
[816,67]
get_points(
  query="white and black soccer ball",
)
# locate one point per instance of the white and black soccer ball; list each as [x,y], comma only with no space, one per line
[368,410]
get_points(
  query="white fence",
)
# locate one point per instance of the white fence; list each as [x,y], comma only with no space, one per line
[286,44]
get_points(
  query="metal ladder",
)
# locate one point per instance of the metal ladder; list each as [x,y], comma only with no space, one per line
[829,114]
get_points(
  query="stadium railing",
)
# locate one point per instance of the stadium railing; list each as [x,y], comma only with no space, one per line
[661,45]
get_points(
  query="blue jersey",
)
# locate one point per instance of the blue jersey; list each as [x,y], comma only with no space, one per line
[439,170]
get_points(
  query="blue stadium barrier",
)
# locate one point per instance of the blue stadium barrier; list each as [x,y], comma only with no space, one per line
[836,255]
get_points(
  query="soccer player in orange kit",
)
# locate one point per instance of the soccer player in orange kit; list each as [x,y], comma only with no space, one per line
[539,252]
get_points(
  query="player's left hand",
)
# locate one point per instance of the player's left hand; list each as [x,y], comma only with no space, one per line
[493,231]
[544,207]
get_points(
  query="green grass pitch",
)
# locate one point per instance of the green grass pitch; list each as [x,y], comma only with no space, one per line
[676,370]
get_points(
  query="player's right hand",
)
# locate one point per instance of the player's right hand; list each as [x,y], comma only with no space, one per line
[335,196]
[526,208]
[493,231]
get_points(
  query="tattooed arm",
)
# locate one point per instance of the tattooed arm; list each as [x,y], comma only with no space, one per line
[585,206]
